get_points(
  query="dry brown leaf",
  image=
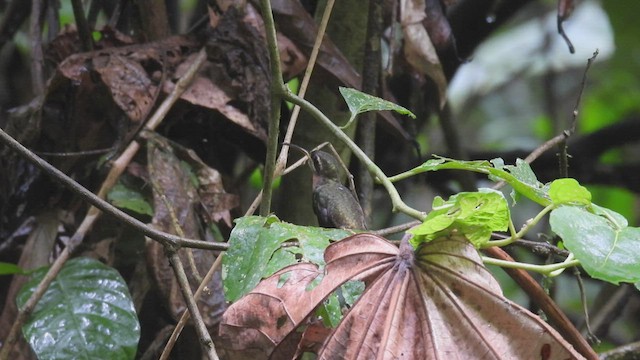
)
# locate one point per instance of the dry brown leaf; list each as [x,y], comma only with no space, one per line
[239,64]
[176,193]
[129,83]
[296,23]
[438,302]
[131,73]
[438,26]
[418,47]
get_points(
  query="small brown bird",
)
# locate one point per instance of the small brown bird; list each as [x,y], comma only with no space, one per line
[333,203]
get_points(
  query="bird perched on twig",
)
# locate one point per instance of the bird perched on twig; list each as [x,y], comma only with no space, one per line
[333,203]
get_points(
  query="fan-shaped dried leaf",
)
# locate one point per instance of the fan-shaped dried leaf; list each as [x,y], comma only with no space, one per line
[438,302]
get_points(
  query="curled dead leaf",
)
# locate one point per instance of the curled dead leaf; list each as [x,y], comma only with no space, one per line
[175,211]
[418,47]
[438,302]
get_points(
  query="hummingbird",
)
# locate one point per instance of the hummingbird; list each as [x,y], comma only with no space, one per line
[333,203]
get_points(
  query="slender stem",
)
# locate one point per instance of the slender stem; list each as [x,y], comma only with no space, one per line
[35,31]
[201,328]
[541,298]
[419,170]
[370,81]
[531,223]
[83,26]
[277,89]
[185,315]
[282,159]
[543,269]
[98,203]
[284,152]
[396,200]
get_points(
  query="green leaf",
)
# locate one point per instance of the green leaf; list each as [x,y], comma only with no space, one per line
[9,268]
[520,176]
[474,214]
[569,191]
[256,250]
[330,311]
[87,313]
[360,102]
[606,250]
[126,198]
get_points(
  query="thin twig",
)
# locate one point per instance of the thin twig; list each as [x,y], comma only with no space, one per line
[84,32]
[102,205]
[560,139]
[396,229]
[277,88]
[564,156]
[304,84]
[284,152]
[540,298]
[185,315]
[396,201]
[585,310]
[370,83]
[256,202]
[35,32]
[604,316]
[201,328]
[159,192]
[99,205]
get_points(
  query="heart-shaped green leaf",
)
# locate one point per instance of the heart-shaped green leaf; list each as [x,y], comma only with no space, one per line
[606,250]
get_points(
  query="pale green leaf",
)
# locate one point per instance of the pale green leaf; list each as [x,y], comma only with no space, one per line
[606,251]
[520,176]
[569,191]
[474,214]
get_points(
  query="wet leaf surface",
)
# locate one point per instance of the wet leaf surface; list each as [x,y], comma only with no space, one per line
[436,302]
[86,313]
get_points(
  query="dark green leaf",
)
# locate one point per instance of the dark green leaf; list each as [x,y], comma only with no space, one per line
[257,249]
[87,313]
[360,102]
[8,268]
[126,198]
[606,250]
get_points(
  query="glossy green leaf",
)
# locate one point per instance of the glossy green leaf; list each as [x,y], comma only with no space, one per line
[87,313]
[360,102]
[126,198]
[9,268]
[606,250]
[520,176]
[617,221]
[474,214]
[258,247]
[569,191]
